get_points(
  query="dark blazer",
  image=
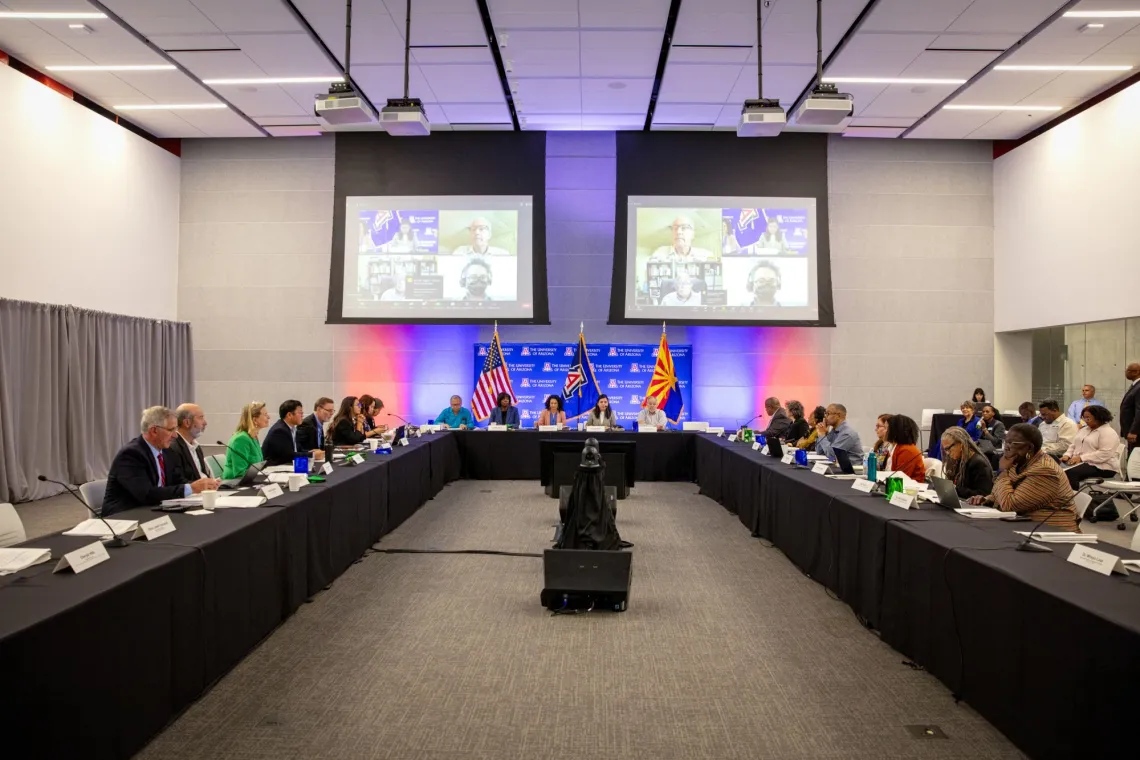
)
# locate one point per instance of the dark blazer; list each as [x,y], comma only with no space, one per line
[180,452]
[310,434]
[797,430]
[133,479]
[1130,412]
[278,446]
[346,434]
[779,425]
[977,479]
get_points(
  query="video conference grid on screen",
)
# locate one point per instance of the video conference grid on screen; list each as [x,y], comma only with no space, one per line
[433,256]
[721,258]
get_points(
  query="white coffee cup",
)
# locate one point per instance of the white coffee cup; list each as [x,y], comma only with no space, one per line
[209,499]
[296,480]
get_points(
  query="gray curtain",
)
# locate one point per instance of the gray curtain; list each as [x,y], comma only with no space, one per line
[74,389]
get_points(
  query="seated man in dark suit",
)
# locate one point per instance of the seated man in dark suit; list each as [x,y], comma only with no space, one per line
[281,445]
[143,473]
[184,448]
[311,431]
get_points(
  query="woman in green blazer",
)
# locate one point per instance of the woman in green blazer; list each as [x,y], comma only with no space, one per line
[245,449]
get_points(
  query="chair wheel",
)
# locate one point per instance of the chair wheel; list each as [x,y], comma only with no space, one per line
[1133,517]
[1090,517]
[1120,526]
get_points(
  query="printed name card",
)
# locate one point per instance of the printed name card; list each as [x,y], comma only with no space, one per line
[271,490]
[356,459]
[404,441]
[755,447]
[764,449]
[81,559]
[156,528]
[865,486]
[549,428]
[595,428]
[719,431]
[788,458]
[732,438]
[820,468]
[327,468]
[1096,560]
[493,427]
[901,499]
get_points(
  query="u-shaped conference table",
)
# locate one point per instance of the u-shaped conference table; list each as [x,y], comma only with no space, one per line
[98,663]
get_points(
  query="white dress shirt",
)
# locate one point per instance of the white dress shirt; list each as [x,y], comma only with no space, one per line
[1058,435]
[1100,448]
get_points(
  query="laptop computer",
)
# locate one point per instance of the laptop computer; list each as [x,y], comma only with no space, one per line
[843,460]
[253,476]
[947,493]
[774,449]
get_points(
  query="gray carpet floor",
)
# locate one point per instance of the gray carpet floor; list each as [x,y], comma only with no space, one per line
[727,651]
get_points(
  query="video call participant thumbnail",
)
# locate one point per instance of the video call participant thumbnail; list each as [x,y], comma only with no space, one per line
[682,248]
[480,233]
[683,292]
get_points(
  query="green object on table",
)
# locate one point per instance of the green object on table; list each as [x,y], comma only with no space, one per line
[749,435]
[894,485]
[316,479]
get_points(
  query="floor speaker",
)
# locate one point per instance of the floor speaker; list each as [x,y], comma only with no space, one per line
[579,579]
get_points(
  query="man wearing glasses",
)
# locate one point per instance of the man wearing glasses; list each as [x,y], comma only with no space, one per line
[682,248]
[144,472]
[480,232]
[311,431]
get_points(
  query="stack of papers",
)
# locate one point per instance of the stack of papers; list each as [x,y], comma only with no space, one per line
[240,502]
[817,458]
[15,560]
[986,513]
[98,528]
[1060,537]
[189,501]
[279,468]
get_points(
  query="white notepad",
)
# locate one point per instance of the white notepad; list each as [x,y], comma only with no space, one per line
[15,560]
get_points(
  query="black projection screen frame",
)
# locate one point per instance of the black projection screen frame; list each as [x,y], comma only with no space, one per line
[444,163]
[717,164]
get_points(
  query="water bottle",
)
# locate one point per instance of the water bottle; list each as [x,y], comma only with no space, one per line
[872,470]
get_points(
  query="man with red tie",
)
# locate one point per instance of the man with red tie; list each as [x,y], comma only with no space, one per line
[144,472]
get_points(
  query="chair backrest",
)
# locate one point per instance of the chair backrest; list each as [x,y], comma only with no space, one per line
[1122,457]
[928,417]
[1081,502]
[93,493]
[932,466]
[1135,541]
[216,464]
[1132,471]
[11,527]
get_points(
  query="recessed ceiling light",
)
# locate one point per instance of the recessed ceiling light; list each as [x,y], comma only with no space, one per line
[889,80]
[49,15]
[1001,108]
[170,107]
[1062,68]
[149,67]
[1102,14]
[616,85]
[277,80]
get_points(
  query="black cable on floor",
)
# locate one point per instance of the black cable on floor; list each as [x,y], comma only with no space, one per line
[495,552]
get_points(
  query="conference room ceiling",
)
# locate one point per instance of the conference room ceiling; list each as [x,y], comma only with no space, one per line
[582,64]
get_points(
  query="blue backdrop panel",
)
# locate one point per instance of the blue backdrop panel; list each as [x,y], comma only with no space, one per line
[623,372]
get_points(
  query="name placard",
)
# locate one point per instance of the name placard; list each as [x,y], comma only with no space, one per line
[1096,560]
[732,438]
[865,486]
[820,468]
[549,428]
[327,468]
[356,459]
[496,428]
[82,559]
[788,458]
[595,428]
[156,528]
[755,447]
[764,449]
[404,441]
[718,431]
[901,499]
[271,490]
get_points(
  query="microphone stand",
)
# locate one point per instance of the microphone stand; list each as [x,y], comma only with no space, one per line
[1027,546]
[115,541]
[248,464]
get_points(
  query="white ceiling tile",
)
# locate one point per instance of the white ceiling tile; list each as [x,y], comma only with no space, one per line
[595,39]
[556,62]
[682,128]
[162,16]
[285,55]
[248,15]
[537,41]
[631,14]
[673,113]
[619,63]
[598,97]
[165,124]
[265,100]
[693,83]
[435,113]
[383,82]
[964,41]
[791,47]
[737,55]
[464,84]
[1123,50]
[225,123]
[509,21]
[879,132]
[375,38]
[783,83]
[166,86]
[879,55]
[882,121]
[1004,16]
[549,96]
[285,121]
[698,26]
[1010,126]
[170,42]
[218,65]
[865,94]
[554,121]
[945,65]
[35,46]
[914,15]
[102,87]
[481,113]
[1075,85]
[613,120]
[729,116]
[112,45]
[455,27]
[1006,86]
[295,131]
[453,55]
[901,100]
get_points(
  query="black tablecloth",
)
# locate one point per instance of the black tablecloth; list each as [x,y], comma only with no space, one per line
[97,663]
[940,422]
[514,454]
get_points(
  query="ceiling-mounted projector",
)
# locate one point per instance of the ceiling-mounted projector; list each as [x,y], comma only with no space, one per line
[825,107]
[405,117]
[761,118]
[343,106]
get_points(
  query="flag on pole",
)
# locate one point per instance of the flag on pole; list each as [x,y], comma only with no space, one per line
[663,384]
[580,391]
[493,380]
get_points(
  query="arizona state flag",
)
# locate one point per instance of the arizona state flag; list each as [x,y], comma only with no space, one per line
[664,383]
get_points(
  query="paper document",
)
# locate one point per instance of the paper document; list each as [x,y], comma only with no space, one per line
[986,513]
[15,560]
[240,502]
[1059,537]
[279,468]
[817,458]
[189,501]
[98,529]
[199,512]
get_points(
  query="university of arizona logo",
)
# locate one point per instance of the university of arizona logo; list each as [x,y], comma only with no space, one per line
[482,350]
[569,351]
[525,351]
[382,218]
[546,367]
[524,413]
[655,351]
[634,399]
[613,351]
[748,217]
[634,368]
[526,382]
[613,383]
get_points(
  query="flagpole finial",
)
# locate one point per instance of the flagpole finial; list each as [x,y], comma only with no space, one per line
[662,327]
[582,327]
[496,325]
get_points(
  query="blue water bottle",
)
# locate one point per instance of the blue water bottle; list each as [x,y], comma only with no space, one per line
[872,470]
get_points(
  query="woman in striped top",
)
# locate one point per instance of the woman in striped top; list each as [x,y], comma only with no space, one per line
[1031,483]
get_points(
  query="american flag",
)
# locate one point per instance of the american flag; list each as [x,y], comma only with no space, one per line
[493,380]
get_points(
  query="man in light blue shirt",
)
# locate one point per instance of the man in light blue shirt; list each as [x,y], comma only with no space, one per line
[835,433]
[456,416]
[1087,398]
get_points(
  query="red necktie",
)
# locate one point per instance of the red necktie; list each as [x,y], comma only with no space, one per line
[161,471]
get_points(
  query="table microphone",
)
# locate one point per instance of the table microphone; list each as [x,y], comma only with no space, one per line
[248,464]
[1026,546]
[746,424]
[116,541]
